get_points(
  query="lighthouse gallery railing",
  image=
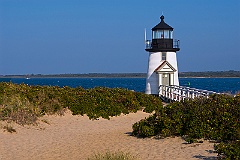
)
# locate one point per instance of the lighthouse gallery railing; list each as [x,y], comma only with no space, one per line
[176,44]
[178,93]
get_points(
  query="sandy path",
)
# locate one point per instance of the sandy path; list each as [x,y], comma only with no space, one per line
[75,137]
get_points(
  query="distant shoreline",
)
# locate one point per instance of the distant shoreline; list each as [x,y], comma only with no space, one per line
[209,74]
[209,77]
[5,77]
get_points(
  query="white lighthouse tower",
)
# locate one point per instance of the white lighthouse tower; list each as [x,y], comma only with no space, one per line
[162,62]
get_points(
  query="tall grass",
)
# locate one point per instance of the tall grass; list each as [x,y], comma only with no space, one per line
[113,156]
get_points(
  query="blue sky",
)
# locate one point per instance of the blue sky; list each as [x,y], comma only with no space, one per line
[107,36]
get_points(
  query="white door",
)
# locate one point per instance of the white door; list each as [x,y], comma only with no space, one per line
[166,79]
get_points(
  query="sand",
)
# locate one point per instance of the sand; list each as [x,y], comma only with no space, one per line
[71,137]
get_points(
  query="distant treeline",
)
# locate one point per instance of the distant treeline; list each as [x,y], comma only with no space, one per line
[84,75]
[230,73]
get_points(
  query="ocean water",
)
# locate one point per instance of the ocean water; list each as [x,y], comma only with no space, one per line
[221,85]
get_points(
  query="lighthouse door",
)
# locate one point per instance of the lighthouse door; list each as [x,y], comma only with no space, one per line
[166,79]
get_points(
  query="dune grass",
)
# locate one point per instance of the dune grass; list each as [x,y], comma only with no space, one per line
[113,156]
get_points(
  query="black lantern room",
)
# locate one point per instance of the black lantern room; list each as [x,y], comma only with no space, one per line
[162,39]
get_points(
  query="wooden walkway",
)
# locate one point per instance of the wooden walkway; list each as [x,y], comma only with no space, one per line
[178,93]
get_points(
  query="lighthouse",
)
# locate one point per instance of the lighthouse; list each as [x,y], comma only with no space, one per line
[162,60]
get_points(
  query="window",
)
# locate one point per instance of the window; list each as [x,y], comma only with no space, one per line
[166,34]
[164,56]
[162,34]
[171,34]
[158,34]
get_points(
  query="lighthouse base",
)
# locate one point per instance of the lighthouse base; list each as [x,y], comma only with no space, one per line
[161,71]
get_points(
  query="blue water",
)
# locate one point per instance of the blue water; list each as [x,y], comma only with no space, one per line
[229,85]
[220,85]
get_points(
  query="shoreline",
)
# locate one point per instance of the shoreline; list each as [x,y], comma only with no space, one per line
[24,77]
[209,77]
[205,74]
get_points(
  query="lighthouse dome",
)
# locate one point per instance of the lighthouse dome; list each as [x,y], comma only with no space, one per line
[162,25]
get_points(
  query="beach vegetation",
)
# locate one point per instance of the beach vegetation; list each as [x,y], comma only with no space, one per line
[45,121]
[9,128]
[214,118]
[23,104]
[113,156]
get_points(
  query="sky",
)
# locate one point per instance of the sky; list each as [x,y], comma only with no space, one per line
[107,36]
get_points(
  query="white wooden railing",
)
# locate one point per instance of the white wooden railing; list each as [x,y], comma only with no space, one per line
[178,93]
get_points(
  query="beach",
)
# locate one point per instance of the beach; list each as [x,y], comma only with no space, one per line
[76,137]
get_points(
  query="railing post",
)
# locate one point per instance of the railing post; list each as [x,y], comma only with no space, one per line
[188,93]
[160,90]
[172,94]
[193,94]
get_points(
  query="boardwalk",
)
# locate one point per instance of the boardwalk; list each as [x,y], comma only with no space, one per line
[178,93]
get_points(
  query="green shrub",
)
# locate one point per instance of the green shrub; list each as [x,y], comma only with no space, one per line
[23,103]
[104,102]
[142,129]
[215,118]
[229,150]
